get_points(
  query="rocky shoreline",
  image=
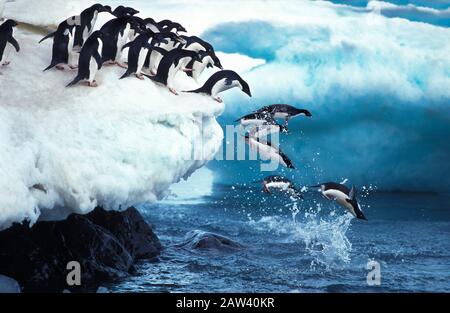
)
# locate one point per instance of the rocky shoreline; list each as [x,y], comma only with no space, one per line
[106,244]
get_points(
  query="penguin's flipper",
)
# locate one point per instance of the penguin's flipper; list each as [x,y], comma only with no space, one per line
[48,36]
[14,42]
[160,50]
[98,59]
[128,45]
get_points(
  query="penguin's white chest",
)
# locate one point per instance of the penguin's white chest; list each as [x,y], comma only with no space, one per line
[340,197]
[278,185]
[281,115]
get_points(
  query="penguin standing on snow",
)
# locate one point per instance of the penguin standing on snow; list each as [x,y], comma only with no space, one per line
[138,51]
[268,151]
[62,50]
[6,39]
[281,183]
[117,31]
[86,22]
[171,63]
[344,196]
[284,111]
[196,68]
[90,60]
[221,81]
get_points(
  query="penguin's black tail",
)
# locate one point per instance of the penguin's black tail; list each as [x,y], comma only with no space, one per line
[50,66]
[199,90]
[74,82]
[126,74]
[48,36]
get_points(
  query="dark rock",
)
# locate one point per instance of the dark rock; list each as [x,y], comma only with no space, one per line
[104,243]
[134,234]
[197,239]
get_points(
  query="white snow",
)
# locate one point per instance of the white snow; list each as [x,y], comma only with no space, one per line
[117,145]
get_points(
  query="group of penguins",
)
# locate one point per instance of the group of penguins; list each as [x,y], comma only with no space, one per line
[262,123]
[157,47]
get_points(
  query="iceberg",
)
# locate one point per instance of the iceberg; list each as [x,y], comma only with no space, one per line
[69,150]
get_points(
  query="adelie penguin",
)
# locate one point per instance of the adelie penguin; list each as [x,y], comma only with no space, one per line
[281,183]
[7,39]
[138,51]
[221,81]
[62,50]
[268,151]
[344,196]
[86,23]
[196,68]
[90,60]
[284,111]
[171,63]
[117,31]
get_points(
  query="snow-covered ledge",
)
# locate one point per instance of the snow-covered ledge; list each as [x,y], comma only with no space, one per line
[115,146]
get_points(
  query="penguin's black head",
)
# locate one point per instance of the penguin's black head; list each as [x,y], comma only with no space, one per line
[9,23]
[305,112]
[178,28]
[101,8]
[130,11]
[245,87]
[216,61]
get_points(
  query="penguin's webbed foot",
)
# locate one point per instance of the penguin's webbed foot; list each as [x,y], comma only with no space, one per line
[218,99]
[6,63]
[73,67]
[187,70]
[140,76]
[172,90]
[93,84]
[121,65]
[60,67]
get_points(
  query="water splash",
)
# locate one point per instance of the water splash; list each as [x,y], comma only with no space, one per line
[323,237]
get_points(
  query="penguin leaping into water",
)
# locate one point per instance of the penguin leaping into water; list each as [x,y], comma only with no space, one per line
[281,183]
[268,151]
[6,38]
[283,111]
[344,196]
[221,81]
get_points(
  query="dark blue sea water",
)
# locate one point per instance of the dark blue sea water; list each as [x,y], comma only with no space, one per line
[321,248]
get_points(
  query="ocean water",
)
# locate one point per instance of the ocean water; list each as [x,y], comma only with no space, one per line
[307,246]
